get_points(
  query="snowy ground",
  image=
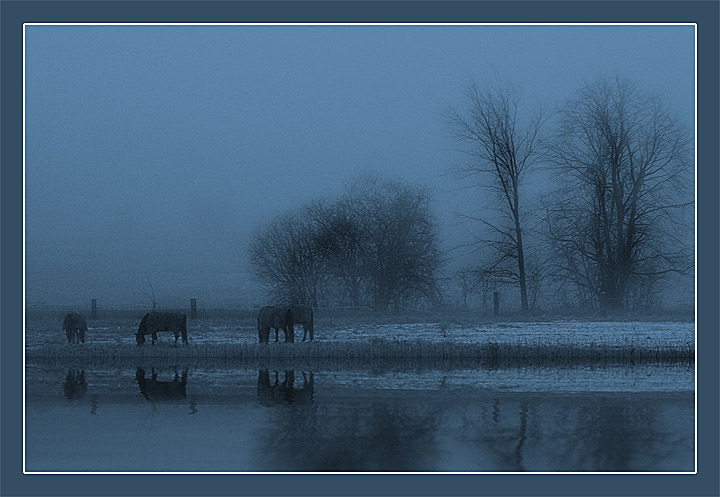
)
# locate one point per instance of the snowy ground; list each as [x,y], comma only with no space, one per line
[578,333]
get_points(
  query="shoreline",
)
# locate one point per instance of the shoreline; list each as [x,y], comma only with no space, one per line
[363,351]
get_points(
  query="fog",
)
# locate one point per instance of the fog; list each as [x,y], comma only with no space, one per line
[154,153]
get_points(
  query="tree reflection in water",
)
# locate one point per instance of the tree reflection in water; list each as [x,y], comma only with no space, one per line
[301,421]
[611,435]
[358,434]
[577,434]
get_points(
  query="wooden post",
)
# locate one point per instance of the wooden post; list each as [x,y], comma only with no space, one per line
[193,308]
[93,308]
[496,303]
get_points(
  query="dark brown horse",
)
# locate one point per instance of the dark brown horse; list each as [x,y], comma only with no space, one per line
[278,317]
[74,326]
[303,314]
[153,322]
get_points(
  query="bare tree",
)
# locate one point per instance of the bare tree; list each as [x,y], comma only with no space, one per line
[377,245]
[151,295]
[285,256]
[482,280]
[621,157]
[340,244]
[503,147]
[400,253]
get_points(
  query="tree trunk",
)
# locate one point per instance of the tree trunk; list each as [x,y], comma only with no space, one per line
[521,252]
[521,271]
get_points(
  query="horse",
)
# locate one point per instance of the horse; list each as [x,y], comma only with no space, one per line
[75,327]
[303,314]
[278,317]
[153,322]
[154,390]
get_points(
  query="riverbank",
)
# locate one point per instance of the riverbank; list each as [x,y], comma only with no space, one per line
[373,349]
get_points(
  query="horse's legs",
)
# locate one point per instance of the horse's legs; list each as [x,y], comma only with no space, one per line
[154,337]
[277,333]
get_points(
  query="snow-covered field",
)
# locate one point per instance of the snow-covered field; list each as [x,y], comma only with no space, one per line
[226,331]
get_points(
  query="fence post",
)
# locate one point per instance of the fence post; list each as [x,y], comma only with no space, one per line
[193,308]
[93,308]
[496,303]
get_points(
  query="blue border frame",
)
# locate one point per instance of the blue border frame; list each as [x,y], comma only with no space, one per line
[14,13]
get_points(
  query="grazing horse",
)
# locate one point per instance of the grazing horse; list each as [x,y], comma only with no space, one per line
[278,317]
[154,390]
[303,314]
[75,327]
[153,322]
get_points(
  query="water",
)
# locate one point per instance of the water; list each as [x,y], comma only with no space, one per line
[360,417]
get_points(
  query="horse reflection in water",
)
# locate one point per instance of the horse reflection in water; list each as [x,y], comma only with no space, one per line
[154,390]
[75,386]
[285,393]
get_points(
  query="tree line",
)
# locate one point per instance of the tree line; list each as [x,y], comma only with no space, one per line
[375,246]
[606,228]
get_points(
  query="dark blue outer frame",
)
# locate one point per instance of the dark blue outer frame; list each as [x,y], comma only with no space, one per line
[14,13]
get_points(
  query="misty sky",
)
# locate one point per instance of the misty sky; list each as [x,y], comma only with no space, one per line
[155,152]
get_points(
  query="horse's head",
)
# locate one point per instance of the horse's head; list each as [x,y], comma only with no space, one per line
[140,338]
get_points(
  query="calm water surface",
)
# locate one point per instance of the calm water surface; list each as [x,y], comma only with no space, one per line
[362,418]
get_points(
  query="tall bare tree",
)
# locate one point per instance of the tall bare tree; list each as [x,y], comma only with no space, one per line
[623,160]
[503,145]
